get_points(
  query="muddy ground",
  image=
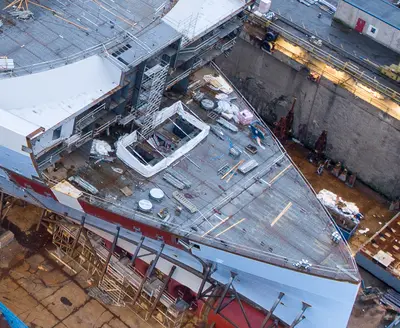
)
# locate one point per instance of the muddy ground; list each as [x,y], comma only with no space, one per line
[374,206]
[43,294]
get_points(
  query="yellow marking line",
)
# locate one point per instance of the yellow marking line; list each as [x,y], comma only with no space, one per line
[229,228]
[282,213]
[217,225]
[279,174]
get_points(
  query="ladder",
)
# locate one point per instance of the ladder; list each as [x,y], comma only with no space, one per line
[152,89]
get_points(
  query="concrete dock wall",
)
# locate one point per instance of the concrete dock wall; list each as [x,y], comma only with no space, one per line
[364,138]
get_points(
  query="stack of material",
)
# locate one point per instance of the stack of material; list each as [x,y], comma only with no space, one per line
[337,205]
[391,298]
[6,237]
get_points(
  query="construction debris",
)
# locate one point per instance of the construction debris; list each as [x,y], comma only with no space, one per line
[164,215]
[180,177]
[233,168]
[337,204]
[363,231]
[218,83]
[84,184]
[218,132]
[126,191]
[117,170]
[227,125]
[6,64]
[6,237]
[21,14]
[100,148]
[392,299]
[248,166]
[173,181]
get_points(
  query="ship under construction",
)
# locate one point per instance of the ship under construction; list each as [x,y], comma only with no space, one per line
[154,173]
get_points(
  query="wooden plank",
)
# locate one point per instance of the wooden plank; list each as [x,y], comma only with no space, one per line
[232,168]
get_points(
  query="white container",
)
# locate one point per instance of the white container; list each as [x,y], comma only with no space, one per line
[245,117]
[264,6]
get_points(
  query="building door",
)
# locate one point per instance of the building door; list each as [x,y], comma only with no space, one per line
[360,25]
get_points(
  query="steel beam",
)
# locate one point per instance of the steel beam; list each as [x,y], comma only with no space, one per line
[144,255]
[227,286]
[275,324]
[227,303]
[153,264]
[148,274]
[203,282]
[84,233]
[68,224]
[271,311]
[241,307]
[43,215]
[300,317]
[78,235]
[7,210]
[1,203]
[208,290]
[110,253]
[134,256]
[164,286]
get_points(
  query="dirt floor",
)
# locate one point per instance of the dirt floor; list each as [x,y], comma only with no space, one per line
[372,205]
[376,213]
[43,294]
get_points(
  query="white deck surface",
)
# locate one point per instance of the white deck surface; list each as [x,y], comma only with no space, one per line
[48,98]
[194,18]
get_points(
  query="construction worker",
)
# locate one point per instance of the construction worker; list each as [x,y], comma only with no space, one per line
[320,169]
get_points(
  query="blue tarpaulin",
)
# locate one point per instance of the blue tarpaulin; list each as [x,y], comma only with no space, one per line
[11,318]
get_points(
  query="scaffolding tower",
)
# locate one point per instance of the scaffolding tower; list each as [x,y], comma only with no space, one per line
[150,95]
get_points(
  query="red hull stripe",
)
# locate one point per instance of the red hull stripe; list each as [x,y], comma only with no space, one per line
[35,186]
[234,314]
[130,224]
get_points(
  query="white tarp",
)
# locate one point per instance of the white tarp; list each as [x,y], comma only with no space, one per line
[337,204]
[100,148]
[47,98]
[147,170]
[194,18]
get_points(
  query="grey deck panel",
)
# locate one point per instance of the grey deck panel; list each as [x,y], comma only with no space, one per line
[302,233]
[50,38]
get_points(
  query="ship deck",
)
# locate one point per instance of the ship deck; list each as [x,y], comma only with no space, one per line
[270,214]
[61,29]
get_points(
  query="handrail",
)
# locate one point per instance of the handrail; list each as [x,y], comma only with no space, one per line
[89,115]
[347,67]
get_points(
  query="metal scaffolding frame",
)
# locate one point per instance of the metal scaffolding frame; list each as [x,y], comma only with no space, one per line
[123,285]
[150,94]
[226,294]
[117,282]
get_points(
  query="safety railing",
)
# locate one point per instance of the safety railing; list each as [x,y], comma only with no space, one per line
[324,56]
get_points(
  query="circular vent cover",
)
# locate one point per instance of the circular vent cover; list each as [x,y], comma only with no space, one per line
[156,194]
[145,205]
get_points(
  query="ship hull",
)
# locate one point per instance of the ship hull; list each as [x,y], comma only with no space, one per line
[260,285]
[188,275]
